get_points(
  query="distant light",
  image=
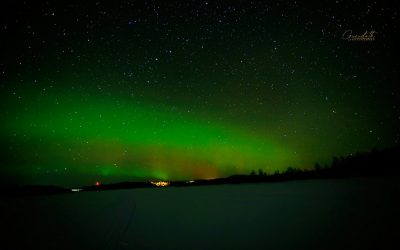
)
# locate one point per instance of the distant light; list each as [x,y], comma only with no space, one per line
[76,189]
[160,183]
[190,181]
[97,183]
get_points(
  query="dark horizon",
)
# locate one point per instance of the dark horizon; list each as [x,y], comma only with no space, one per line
[374,163]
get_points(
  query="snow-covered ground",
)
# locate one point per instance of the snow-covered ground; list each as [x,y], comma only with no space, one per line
[361,213]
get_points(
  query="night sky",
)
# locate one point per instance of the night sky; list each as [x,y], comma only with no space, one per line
[148,90]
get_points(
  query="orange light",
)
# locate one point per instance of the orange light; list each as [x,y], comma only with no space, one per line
[97,183]
[160,183]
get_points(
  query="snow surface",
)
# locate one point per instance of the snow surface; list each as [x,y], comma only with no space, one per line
[357,213]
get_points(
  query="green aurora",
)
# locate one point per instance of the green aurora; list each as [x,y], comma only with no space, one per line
[132,140]
[104,92]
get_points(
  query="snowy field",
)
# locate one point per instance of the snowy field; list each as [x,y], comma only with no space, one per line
[357,213]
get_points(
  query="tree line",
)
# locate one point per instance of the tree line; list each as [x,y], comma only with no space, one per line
[372,163]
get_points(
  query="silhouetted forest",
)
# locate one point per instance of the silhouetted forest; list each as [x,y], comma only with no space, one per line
[373,163]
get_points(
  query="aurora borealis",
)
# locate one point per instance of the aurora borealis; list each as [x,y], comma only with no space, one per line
[143,90]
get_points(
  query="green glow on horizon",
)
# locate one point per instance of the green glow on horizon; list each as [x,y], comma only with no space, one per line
[134,140]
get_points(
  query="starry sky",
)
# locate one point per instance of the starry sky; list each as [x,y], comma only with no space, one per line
[146,90]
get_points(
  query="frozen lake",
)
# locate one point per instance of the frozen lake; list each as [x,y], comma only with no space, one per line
[359,213]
